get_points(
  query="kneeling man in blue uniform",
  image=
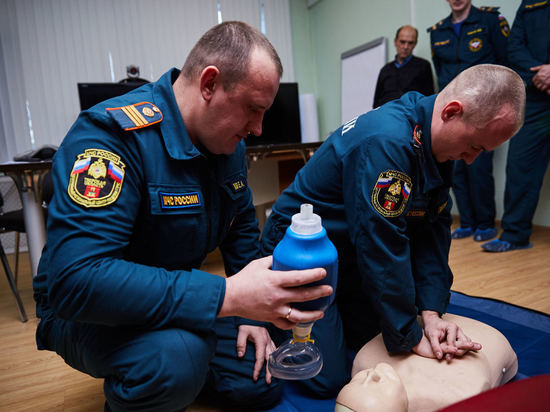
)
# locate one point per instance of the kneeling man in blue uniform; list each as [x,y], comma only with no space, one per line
[146,185]
[381,185]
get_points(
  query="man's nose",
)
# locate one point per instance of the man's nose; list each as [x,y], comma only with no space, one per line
[255,126]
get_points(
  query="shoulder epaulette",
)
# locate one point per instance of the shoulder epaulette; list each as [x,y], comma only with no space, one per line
[537,4]
[136,116]
[489,9]
[434,27]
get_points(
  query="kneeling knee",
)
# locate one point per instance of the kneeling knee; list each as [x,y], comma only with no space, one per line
[249,394]
[169,377]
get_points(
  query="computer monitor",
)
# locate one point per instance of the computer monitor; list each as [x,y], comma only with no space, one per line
[91,94]
[281,123]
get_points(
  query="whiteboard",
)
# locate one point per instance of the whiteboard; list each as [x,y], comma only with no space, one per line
[360,68]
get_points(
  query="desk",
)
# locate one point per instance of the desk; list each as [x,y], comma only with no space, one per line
[26,176]
[271,168]
[304,150]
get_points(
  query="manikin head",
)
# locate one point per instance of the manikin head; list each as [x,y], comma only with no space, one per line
[372,390]
[477,111]
[405,42]
[228,81]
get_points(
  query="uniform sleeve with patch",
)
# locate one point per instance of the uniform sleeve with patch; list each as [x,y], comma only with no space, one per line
[377,187]
[84,273]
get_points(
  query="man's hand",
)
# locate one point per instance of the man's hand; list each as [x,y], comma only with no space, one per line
[264,346]
[541,80]
[259,293]
[443,338]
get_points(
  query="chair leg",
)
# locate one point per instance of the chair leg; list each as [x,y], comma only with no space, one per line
[12,284]
[17,238]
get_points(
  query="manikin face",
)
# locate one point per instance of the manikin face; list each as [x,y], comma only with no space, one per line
[459,6]
[378,389]
[233,114]
[458,140]
[405,43]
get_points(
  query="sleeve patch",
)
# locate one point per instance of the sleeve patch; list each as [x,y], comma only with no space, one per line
[391,193]
[504,28]
[96,178]
[136,116]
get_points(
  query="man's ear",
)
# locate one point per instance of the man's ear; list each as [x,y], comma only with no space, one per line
[452,110]
[209,81]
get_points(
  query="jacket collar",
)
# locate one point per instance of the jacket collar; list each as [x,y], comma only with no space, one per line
[473,17]
[173,131]
[435,174]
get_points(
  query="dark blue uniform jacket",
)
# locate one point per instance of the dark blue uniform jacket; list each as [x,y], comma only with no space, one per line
[529,43]
[385,204]
[134,214]
[482,40]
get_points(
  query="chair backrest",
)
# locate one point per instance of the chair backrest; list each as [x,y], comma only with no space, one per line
[46,185]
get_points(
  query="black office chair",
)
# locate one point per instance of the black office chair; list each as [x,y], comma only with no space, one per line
[14,221]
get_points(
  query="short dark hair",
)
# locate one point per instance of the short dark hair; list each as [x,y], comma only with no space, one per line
[402,27]
[486,88]
[228,46]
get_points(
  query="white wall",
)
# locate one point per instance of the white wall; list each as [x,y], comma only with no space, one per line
[48,46]
[331,27]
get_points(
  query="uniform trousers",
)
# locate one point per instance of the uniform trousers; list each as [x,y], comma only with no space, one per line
[528,157]
[164,369]
[474,189]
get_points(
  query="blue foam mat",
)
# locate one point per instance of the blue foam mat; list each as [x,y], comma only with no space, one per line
[527,331]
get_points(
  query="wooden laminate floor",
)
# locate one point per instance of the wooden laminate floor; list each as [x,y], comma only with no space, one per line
[32,380]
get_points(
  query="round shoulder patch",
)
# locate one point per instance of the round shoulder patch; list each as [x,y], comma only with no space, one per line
[391,193]
[96,178]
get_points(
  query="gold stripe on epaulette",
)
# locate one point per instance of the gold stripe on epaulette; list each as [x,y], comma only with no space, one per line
[138,114]
[130,116]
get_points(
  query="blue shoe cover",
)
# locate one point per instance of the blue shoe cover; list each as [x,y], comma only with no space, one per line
[481,235]
[462,232]
[498,245]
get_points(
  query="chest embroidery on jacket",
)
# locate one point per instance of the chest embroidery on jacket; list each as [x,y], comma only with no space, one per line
[475,44]
[441,43]
[532,6]
[391,193]
[237,185]
[179,200]
[96,178]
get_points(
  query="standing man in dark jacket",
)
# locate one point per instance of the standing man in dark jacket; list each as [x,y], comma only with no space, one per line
[529,150]
[470,36]
[407,73]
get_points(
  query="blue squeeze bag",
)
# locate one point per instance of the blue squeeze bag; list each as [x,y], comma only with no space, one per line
[306,245]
